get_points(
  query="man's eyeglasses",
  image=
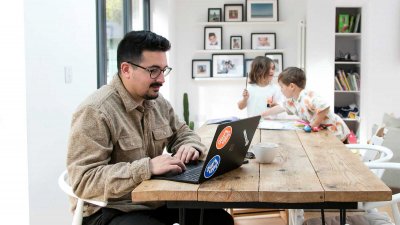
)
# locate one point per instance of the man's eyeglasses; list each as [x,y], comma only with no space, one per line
[154,71]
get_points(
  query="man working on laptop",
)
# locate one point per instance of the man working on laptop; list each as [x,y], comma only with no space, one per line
[118,135]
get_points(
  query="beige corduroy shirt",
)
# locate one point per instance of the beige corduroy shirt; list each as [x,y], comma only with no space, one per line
[112,140]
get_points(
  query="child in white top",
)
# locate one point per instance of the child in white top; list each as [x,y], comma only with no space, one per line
[306,104]
[260,93]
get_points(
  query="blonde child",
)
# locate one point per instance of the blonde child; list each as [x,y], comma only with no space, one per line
[260,94]
[306,104]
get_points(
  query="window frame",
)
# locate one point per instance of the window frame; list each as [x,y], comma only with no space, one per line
[101,36]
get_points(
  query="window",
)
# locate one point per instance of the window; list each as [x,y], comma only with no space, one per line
[114,19]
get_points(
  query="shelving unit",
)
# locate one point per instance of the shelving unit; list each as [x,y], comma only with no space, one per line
[241,51]
[221,79]
[240,23]
[348,65]
[248,53]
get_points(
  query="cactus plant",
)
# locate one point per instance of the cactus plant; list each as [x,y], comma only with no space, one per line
[186,111]
[186,108]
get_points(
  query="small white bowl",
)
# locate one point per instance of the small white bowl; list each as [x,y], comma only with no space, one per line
[265,152]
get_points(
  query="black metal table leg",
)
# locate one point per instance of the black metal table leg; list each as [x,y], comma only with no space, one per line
[201,216]
[323,216]
[342,216]
[182,216]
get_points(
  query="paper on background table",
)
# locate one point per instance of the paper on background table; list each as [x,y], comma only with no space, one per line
[222,120]
[278,125]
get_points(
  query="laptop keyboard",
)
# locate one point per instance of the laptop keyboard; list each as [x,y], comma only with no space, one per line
[190,175]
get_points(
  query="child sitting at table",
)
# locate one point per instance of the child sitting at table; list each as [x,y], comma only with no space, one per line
[306,104]
[260,93]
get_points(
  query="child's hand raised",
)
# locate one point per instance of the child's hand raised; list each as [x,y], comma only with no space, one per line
[245,94]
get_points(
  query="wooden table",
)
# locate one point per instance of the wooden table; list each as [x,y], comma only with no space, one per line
[312,170]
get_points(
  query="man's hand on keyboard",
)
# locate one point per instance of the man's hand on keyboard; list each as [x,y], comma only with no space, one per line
[187,153]
[165,163]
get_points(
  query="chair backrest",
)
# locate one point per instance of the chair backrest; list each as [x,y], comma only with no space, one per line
[395,198]
[373,153]
[78,214]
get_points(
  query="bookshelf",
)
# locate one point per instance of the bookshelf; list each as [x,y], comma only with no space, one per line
[348,64]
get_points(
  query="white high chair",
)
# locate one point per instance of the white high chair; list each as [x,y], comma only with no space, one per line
[395,198]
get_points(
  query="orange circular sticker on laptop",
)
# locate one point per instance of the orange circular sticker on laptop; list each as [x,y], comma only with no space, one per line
[224,137]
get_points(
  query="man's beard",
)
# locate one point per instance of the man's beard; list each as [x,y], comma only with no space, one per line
[151,97]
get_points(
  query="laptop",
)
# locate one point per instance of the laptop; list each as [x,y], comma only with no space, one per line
[227,152]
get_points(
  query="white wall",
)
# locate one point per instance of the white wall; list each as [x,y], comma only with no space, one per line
[13,163]
[380,56]
[382,60]
[57,34]
[162,22]
[218,98]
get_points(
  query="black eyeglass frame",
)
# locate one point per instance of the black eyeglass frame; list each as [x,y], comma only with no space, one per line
[151,70]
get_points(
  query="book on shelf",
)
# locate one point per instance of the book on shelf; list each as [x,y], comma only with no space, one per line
[351,83]
[341,80]
[338,87]
[351,27]
[347,81]
[357,23]
[357,79]
[343,23]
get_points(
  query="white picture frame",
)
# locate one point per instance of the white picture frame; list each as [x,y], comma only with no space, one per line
[228,65]
[263,41]
[262,10]
[213,38]
[201,68]
[277,58]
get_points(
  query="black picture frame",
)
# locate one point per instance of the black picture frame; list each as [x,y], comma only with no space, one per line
[262,10]
[213,38]
[236,42]
[263,41]
[214,14]
[247,66]
[233,13]
[201,68]
[278,61]
[228,65]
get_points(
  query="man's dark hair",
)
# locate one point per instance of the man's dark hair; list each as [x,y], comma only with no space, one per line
[134,43]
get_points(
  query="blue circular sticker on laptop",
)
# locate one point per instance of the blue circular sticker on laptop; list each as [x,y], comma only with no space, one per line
[212,166]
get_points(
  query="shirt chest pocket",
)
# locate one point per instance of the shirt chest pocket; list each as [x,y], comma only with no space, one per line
[161,135]
[131,149]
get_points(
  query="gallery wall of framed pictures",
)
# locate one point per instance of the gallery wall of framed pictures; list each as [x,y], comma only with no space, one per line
[233,60]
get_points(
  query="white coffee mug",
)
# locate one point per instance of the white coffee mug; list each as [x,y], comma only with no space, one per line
[265,152]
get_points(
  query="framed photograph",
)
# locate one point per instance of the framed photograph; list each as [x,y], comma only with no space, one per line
[236,42]
[201,68]
[212,38]
[247,66]
[233,12]
[278,61]
[262,10]
[263,41]
[228,65]
[214,15]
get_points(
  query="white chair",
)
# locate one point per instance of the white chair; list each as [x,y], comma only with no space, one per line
[78,214]
[373,153]
[395,198]
[372,213]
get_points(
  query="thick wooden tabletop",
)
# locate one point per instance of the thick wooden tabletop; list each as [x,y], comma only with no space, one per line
[310,167]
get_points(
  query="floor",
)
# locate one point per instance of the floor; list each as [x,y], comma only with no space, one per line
[277,220]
